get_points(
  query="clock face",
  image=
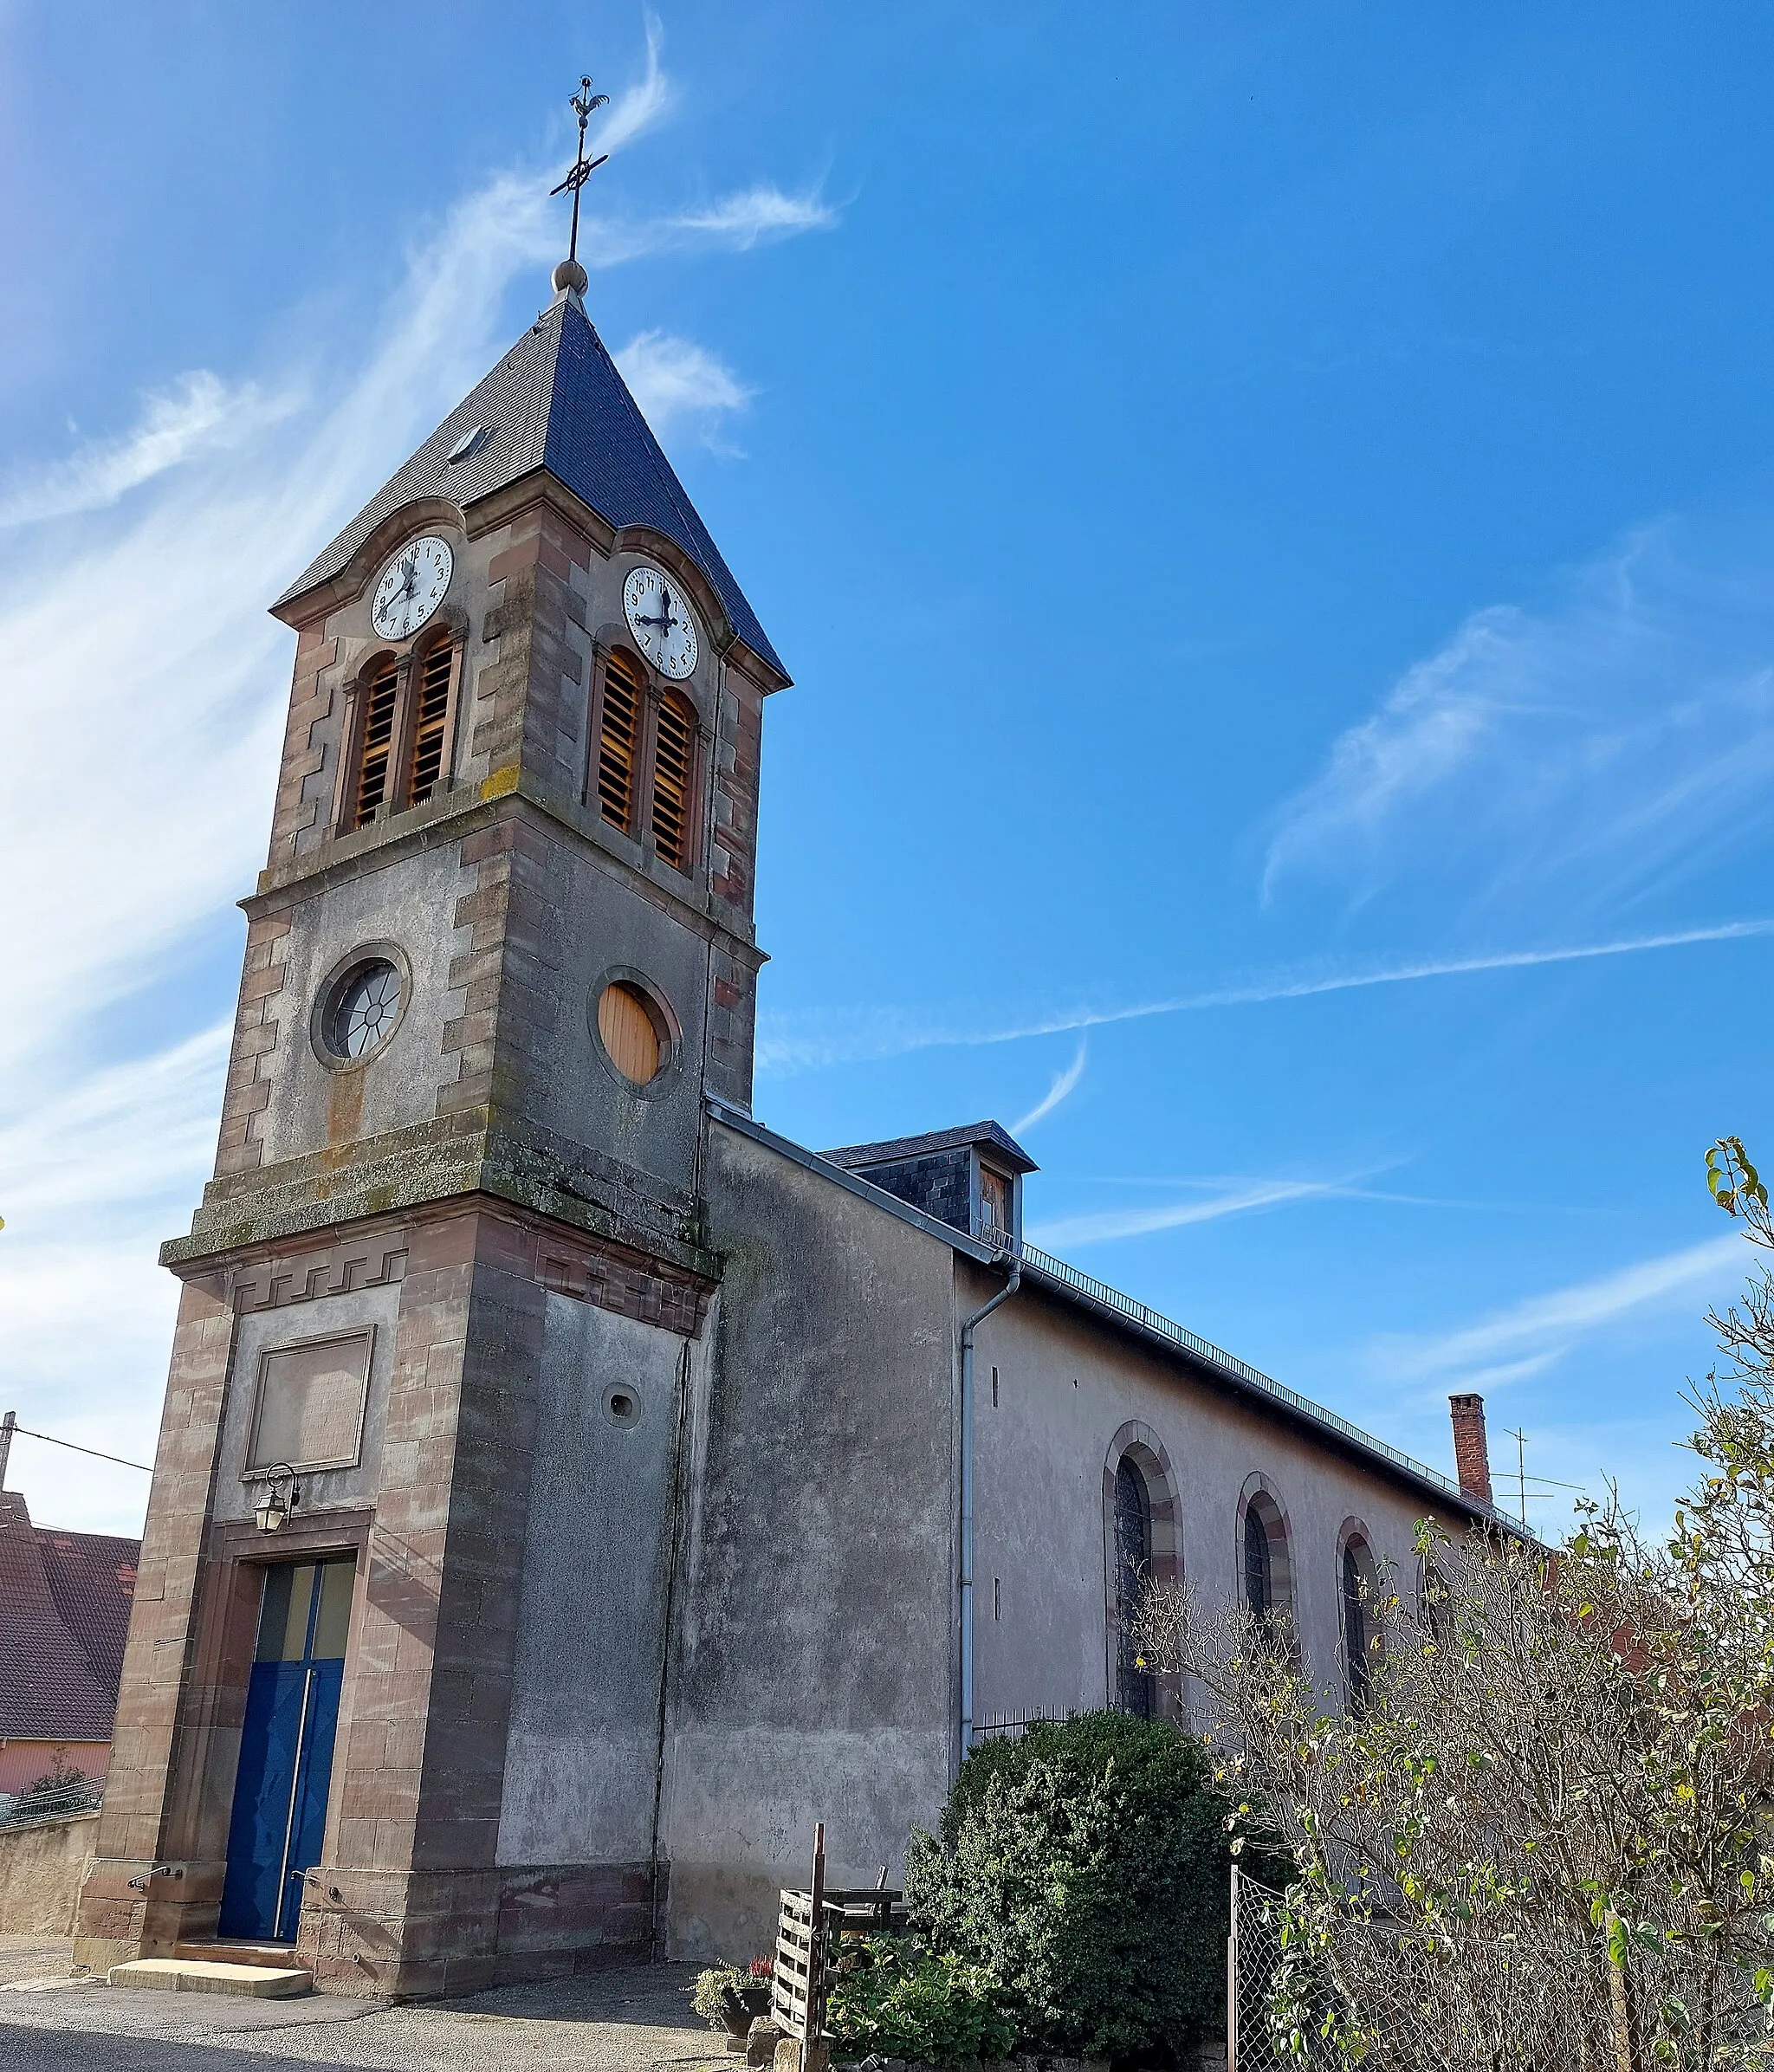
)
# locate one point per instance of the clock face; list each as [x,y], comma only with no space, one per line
[662,623]
[412,587]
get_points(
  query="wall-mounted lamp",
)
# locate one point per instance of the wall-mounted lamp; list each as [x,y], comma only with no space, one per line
[275,1507]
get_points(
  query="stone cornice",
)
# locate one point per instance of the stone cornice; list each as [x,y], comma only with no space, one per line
[442,1162]
[461,810]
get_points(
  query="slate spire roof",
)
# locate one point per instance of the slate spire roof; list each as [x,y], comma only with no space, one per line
[555,401]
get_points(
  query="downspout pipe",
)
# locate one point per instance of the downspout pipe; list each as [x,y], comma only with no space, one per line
[967,1329]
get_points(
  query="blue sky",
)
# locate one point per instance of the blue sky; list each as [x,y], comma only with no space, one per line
[1270,514]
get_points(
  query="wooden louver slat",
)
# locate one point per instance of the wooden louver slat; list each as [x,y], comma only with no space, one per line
[617,741]
[376,744]
[430,719]
[674,746]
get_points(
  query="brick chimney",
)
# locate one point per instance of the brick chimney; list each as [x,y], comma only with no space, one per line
[1472,1451]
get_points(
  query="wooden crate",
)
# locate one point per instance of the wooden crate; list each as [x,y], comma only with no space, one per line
[805,1960]
[794,1989]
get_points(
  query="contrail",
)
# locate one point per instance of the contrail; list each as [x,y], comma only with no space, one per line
[891,1037]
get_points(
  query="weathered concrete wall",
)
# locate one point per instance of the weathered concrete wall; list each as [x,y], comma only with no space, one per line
[41,1869]
[593,921]
[583,1748]
[413,906]
[816,1667]
[1067,1387]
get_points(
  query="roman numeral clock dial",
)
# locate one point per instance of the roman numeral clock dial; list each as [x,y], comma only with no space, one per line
[662,622]
[412,587]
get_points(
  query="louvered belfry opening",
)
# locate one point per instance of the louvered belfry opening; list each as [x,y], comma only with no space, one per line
[674,752]
[375,741]
[431,721]
[619,739]
[403,732]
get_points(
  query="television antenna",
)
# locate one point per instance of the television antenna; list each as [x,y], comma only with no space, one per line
[1524,1495]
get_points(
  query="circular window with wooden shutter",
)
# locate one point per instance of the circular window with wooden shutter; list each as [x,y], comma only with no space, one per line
[630,1033]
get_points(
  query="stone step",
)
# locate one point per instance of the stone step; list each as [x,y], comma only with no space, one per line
[213,1949]
[199,1975]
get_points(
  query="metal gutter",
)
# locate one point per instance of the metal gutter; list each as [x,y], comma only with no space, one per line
[1109,1304]
[736,1119]
[1116,1308]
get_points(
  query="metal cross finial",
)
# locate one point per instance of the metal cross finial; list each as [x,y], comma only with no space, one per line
[584,104]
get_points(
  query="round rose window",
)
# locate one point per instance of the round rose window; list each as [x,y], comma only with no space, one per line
[365,1008]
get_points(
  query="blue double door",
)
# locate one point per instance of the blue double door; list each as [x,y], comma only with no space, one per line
[286,1748]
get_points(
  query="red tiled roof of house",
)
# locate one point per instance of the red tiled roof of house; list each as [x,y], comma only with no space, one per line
[64,1613]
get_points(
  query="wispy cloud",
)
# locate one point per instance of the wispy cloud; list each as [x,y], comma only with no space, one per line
[841,1036]
[760,213]
[1065,1083]
[126,1132]
[734,223]
[638,107]
[147,622]
[94,1174]
[679,383]
[1606,748]
[198,411]
[1529,1336]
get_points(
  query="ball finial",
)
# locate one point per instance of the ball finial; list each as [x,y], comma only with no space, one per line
[571,274]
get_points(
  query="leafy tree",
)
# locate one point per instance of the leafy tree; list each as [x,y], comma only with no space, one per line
[1558,1793]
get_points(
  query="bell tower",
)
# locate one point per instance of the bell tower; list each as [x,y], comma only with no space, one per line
[499,957]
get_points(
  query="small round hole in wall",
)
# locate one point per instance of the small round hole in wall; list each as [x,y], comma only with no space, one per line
[622,1404]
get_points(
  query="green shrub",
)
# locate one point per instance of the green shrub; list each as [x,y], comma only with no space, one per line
[893,1997]
[1083,1871]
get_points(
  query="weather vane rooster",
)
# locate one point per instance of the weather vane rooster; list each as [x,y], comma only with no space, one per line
[585,104]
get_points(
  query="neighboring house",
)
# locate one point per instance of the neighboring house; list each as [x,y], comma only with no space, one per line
[64,1616]
[569,1489]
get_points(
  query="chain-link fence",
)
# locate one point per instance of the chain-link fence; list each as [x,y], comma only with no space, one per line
[1314,1998]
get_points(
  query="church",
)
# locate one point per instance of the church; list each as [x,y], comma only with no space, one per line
[569,1489]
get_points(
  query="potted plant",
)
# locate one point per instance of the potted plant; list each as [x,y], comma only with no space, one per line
[728,1997]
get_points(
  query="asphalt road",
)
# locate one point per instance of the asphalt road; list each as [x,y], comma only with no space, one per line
[631,2020]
